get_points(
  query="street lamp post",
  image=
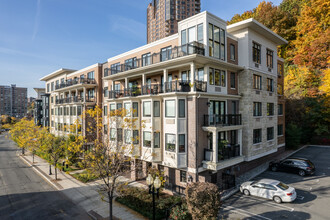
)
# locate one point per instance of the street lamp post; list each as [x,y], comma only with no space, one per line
[154,185]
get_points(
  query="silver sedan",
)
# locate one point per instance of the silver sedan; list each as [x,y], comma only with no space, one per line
[269,189]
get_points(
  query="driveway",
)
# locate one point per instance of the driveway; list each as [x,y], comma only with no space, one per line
[313,193]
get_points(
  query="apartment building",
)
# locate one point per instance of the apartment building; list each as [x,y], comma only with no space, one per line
[71,92]
[210,97]
[13,101]
[163,16]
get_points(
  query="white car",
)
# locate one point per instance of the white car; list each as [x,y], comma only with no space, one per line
[269,189]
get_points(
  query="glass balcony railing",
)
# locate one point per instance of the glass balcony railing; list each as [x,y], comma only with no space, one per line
[173,53]
[222,120]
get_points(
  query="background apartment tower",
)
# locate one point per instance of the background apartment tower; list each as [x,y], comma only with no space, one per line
[163,16]
[13,101]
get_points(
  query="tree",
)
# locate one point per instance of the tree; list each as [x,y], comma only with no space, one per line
[107,158]
[203,200]
[54,147]
[21,133]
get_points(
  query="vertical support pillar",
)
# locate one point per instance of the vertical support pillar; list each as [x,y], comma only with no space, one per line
[165,80]
[192,75]
[126,83]
[215,147]
[240,141]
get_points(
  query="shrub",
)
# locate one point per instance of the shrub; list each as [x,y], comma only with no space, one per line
[180,212]
[203,200]
[85,176]
[293,136]
[140,201]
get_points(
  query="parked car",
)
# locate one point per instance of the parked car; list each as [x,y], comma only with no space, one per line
[269,189]
[300,166]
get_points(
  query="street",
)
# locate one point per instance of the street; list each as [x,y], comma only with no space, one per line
[313,193]
[25,195]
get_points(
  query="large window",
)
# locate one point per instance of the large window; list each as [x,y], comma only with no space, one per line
[78,110]
[170,108]
[130,63]
[269,58]
[280,109]
[105,92]
[135,109]
[257,110]
[256,53]
[146,59]
[270,133]
[232,52]
[280,69]
[135,137]
[105,110]
[279,89]
[233,80]
[156,140]
[183,37]
[119,134]
[270,109]
[147,139]
[165,53]
[127,107]
[115,68]
[90,75]
[182,143]
[270,85]
[146,109]
[257,82]
[279,130]
[217,77]
[112,134]
[128,136]
[191,34]
[216,42]
[170,142]
[182,108]
[183,176]
[256,136]
[156,109]
[200,34]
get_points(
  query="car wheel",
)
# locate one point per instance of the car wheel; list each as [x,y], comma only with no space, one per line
[302,173]
[274,169]
[246,192]
[277,199]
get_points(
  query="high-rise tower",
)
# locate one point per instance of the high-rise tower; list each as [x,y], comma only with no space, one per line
[163,16]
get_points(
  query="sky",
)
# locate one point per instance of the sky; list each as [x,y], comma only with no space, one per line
[38,37]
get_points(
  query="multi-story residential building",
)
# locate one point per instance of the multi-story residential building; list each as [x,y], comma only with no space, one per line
[37,109]
[207,96]
[13,101]
[70,93]
[163,17]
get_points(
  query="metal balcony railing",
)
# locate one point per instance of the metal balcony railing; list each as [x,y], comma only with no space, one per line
[75,82]
[75,99]
[228,151]
[173,53]
[222,120]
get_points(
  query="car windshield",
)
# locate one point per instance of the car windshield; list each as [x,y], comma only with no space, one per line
[282,186]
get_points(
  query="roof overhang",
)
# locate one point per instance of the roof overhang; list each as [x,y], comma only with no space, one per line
[257,27]
[57,73]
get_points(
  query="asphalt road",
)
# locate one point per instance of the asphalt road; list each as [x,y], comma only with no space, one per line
[25,195]
[313,194]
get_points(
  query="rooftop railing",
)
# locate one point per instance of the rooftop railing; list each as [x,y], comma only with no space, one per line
[169,54]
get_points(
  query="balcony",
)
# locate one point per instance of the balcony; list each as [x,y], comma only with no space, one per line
[173,53]
[228,151]
[74,99]
[155,89]
[222,120]
[75,81]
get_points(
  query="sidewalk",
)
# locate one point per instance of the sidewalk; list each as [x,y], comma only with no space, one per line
[84,195]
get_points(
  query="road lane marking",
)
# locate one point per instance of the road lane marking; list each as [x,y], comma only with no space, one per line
[270,203]
[246,213]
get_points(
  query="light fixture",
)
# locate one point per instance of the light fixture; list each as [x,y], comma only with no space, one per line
[208,104]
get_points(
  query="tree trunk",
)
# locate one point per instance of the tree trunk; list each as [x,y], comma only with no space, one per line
[23,152]
[55,171]
[32,158]
[110,205]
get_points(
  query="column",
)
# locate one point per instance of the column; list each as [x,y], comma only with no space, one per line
[126,83]
[85,94]
[215,147]
[192,75]
[165,80]
[240,141]
[144,79]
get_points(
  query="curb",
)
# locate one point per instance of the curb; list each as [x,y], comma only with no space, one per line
[40,173]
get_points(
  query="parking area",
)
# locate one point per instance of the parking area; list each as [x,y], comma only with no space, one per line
[313,193]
